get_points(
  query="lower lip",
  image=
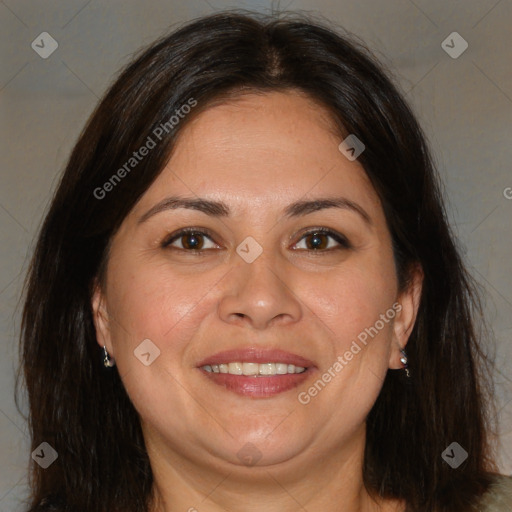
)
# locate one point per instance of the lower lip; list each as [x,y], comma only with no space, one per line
[258,387]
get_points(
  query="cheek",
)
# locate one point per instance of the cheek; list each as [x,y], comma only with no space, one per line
[153,301]
[349,305]
[351,301]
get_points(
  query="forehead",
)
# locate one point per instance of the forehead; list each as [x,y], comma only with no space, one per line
[260,148]
[270,123]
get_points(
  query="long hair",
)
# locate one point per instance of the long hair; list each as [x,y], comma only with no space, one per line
[82,410]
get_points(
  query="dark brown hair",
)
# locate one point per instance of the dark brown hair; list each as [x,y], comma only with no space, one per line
[82,409]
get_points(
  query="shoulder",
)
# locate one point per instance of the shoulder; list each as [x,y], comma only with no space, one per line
[498,497]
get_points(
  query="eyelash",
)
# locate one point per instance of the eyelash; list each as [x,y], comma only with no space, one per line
[344,244]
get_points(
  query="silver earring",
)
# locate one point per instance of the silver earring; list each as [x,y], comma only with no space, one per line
[106,360]
[403,360]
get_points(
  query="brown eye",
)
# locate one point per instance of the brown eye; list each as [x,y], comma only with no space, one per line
[317,241]
[192,241]
[189,240]
[321,240]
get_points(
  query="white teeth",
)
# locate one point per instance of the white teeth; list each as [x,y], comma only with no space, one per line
[268,369]
[235,368]
[254,369]
[250,368]
[281,369]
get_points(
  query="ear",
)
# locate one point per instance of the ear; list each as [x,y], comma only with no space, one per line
[101,319]
[407,306]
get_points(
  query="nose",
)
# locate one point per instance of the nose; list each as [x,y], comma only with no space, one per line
[259,295]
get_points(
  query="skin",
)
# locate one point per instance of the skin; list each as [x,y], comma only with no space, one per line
[257,154]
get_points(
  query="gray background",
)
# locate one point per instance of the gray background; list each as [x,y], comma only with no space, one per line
[464,104]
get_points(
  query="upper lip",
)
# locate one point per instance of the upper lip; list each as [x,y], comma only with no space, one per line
[256,355]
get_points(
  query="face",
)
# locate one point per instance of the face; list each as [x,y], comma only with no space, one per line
[257,281]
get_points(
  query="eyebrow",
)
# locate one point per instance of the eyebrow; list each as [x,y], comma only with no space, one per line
[220,209]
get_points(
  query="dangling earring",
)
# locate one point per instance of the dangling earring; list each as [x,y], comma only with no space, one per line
[403,360]
[106,360]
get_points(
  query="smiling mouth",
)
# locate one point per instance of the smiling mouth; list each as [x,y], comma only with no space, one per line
[256,372]
[256,380]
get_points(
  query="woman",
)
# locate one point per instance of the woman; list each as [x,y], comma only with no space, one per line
[245,294]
